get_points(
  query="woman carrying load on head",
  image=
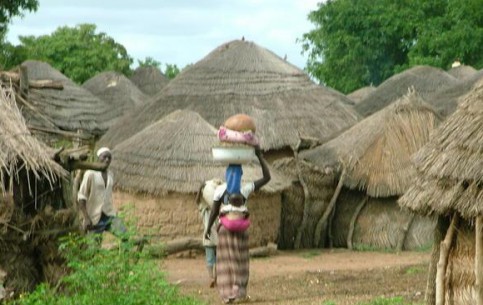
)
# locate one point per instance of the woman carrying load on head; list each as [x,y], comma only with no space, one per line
[230,205]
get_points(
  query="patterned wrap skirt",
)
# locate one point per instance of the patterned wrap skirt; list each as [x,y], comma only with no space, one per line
[232,264]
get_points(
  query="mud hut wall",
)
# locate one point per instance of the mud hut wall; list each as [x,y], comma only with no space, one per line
[460,274]
[378,224]
[176,216]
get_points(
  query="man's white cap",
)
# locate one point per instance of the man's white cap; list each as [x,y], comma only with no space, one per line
[102,150]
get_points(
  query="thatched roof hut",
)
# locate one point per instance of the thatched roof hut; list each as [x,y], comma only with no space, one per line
[242,77]
[73,108]
[161,168]
[374,155]
[358,95]
[462,71]
[450,184]
[149,80]
[117,91]
[424,79]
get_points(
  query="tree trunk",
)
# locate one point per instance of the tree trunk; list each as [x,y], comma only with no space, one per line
[443,260]
[303,225]
[358,210]
[479,260]
[441,227]
[404,233]
[328,210]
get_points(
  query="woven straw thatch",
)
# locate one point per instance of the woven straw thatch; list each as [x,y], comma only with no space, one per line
[174,155]
[18,147]
[445,100]
[358,95]
[149,80]
[376,152]
[450,175]
[424,79]
[72,108]
[242,77]
[117,91]
[462,72]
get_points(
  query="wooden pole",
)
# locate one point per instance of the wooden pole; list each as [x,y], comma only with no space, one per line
[404,232]
[328,211]
[445,247]
[479,260]
[24,81]
[303,225]
[358,210]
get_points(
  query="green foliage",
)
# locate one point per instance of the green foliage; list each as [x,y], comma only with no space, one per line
[415,270]
[12,8]
[149,62]
[78,52]
[328,303]
[171,71]
[99,277]
[386,301]
[361,42]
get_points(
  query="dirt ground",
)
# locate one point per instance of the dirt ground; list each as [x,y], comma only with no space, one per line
[336,277]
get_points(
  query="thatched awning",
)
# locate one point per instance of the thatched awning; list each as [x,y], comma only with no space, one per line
[424,79]
[376,152]
[18,148]
[117,91]
[450,166]
[174,155]
[242,77]
[71,108]
[149,80]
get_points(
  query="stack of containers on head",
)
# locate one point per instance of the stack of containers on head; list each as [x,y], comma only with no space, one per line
[237,141]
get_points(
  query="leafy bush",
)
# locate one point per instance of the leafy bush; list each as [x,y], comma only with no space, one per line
[103,277]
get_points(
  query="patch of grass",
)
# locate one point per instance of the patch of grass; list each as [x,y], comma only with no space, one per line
[415,270]
[369,248]
[425,248]
[311,253]
[387,301]
[328,303]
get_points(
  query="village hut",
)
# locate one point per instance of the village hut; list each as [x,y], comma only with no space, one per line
[29,191]
[117,91]
[462,71]
[373,163]
[424,79]
[361,93]
[449,184]
[149,80]
[160,169]
[445,100]
[242,77]
[71,108]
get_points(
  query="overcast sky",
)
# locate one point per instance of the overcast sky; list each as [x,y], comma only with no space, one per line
[179,31]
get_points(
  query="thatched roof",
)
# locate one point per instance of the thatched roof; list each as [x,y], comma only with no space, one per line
[361,93]
[424,79]
[18,148]
[450,166]
[462,72]
[117,91]
[174,155]
[149,80]
[242,77]
[71,108]
[376,151]
[445,100]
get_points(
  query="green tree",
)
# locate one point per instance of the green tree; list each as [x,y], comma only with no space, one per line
[171,71]
[149,62]
[78,52]
[356,43]
[12,8]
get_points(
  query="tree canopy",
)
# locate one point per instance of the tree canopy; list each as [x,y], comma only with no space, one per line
[12,8]
[357,43]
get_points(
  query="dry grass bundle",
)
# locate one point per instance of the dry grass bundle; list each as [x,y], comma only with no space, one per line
[174,155]
[376,152]
[424,79]
[450,175]
[149,80]
[242,77]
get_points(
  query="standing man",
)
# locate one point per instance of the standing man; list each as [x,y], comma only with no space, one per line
[95,199]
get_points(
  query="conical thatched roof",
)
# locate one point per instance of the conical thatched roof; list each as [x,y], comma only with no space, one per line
[149,80]
[376,152]
[242,77]
[462,72]
[358,95]
[117,91]
[424,79]
[445,100]
[450,166]
[71,108]
[18,148]
[174,155]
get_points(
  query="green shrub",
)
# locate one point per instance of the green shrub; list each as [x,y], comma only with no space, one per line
[103,277]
